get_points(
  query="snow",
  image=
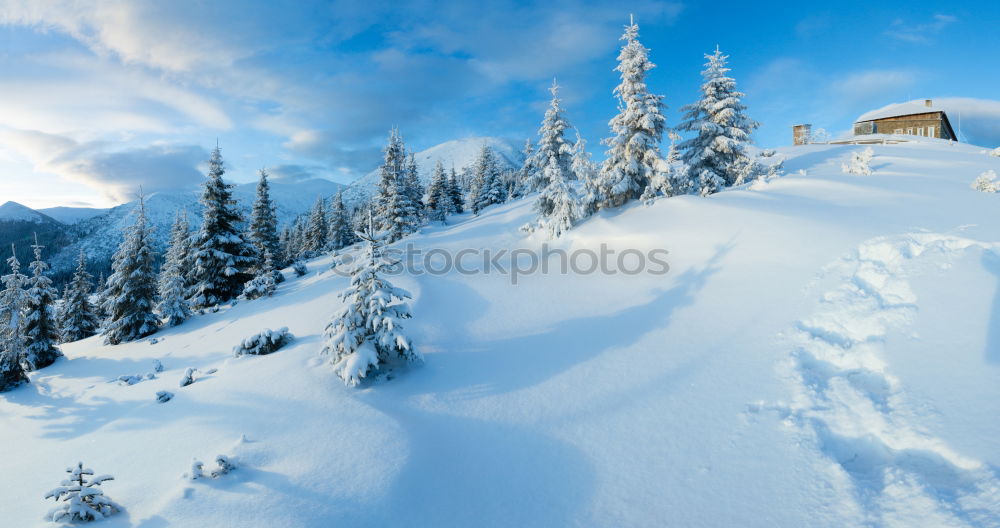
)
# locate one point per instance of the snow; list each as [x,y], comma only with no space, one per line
[461,153]
[72,215]
[899,109]
[822,352]
[18,212]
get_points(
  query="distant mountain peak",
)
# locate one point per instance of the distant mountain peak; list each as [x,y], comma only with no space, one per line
[14,211]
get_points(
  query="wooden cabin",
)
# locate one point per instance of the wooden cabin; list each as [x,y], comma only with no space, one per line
[915,118]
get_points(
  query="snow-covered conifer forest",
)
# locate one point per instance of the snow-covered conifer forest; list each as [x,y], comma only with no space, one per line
[666,325]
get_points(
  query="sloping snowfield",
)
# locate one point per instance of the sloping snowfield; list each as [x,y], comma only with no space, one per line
[824,351]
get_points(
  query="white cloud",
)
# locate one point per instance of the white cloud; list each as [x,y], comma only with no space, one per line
[118,173]
[919,33]
[872,84]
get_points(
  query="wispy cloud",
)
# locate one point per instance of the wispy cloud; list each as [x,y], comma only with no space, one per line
[871,84]
[919,33]
[119,173]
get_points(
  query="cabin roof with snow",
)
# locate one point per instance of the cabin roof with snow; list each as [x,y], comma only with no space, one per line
[918,117]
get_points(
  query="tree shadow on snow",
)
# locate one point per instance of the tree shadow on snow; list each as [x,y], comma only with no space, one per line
[991,262]
[509,364]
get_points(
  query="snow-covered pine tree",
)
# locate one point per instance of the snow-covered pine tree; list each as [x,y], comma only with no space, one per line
[173,305]
[80,318]
[264,283]
[558,206]
[263,223]
[316,231]
[633,153]
[82,497]
[455,192]
[526,173]
[396,211]
[222,257]
[131,289]
[552,145]
[721,127]
[487,185]
[12,300]
[284,241]
[366,336]
[40,330]
[339,232]
[61,312]
[438,204]
[414,189]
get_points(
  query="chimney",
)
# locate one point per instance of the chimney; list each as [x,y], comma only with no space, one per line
[927,103]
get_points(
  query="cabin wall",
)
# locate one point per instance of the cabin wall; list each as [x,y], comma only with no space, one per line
[911,125]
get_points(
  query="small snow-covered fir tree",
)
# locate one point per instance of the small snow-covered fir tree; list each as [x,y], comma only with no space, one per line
[80,497]
[79,317]
[633,152]
[411,181]
[131,289]
[438,204]
[12,301]
[558,206]
[396,211]
[487,184]
[986,182]
[339,232]
[263,223]
[366,335]
[553,148]
[525,175]
[316,232]
[40,330]
[264,284]
[222,257]
[860,163]
[721,127]
[455,192]
[173,305]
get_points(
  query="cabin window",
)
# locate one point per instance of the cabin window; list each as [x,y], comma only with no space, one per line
[920,131]
[930,131]
[898,131]
[909,131]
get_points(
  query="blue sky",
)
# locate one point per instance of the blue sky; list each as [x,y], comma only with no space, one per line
[98,98]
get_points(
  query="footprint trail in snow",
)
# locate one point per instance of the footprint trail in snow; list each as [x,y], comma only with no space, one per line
[846,398]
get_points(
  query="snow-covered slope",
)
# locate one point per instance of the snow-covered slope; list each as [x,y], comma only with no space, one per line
[13,211]
[459,153]
[100,235]
[822,352]
[72,215]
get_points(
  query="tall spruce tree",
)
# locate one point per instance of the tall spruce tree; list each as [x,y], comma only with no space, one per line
[554,157]
[366,335]
[526,173]
[552,145]
[339,232]
[438,204]
[222,257]
[263,223]
[79,316]
[722,130]
[455,192]
[414,189]
[174,306]
[397,213]
[316,232]
[131,290]
[487,184]
[633,153]
[12,301]
[41,333]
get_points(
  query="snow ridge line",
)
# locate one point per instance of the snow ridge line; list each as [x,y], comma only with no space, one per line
[856,410]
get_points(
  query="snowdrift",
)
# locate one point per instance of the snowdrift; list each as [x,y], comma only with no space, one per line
[824,351]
